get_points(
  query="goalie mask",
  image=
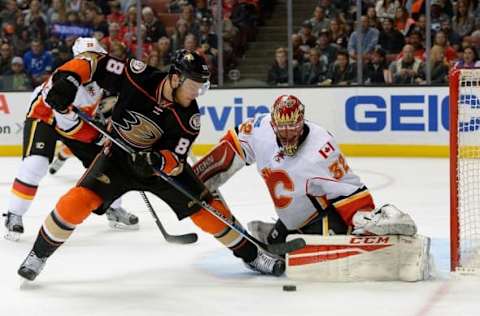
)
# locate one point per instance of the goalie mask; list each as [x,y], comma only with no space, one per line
[287,122]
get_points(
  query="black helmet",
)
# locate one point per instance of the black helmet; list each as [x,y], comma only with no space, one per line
[191,65]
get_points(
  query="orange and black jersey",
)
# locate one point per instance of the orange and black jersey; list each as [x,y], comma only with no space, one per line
[141,118]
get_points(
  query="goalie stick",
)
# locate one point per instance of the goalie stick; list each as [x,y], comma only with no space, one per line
[277,249]
[183,239]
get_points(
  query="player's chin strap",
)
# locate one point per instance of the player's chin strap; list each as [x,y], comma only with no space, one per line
[177,239]
[277,249]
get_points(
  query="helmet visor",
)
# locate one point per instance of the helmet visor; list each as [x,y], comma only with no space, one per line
[195,88]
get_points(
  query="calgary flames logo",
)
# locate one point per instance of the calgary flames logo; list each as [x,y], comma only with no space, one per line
[138,130]
[273,178]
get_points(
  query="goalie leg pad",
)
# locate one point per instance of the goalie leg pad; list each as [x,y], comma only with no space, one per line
[347,258]
[216,167]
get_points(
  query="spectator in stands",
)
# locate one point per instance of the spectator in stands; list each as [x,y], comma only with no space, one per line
[118,50]
[298,50]
[441,40]
[376,71]
[176,6]
[369,39]
[390,39]
[56,13]
[319,21]
[128,27]
[437,14]
[278,73]
[419,26]
[337,33]
[403,21]
[325,47]
[341,72]
[38,62]
[15,79]
[308,39]
[95,19]
[155,28]
[164,53]
[36,21]
[74,5]
[9,12]
[190,42]
[207,39]
[21,38]
[439,67]
[463,23]
[146,47]
[406,69]
[244,17]
[330,10]
[116,15]
[178,37]
[189,16]
[114,35]
[62,55]
[452,37]
[469,59]
[315,70]
[6,55]
[415,39]
[373,20]
[386,8]
[153,59]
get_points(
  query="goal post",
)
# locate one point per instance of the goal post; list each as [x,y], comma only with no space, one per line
[465,170]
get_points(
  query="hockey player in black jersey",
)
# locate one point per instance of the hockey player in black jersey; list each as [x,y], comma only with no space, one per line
[158,117]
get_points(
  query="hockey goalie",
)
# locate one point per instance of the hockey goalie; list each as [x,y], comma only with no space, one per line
[317,196]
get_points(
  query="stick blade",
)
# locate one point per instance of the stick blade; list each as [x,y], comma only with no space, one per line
[289,246]
[182,239]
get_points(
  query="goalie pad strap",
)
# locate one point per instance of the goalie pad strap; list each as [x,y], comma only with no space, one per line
[216,167]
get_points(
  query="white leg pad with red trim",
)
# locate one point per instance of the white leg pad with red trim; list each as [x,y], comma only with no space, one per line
[219,165]
[346,258]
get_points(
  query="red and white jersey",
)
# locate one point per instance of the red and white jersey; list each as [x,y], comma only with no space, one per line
[69,125]
[318,174]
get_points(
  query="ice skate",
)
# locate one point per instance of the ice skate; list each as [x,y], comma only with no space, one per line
[56,165]
[31,266]
[266,264]
[119,218]
[14,226]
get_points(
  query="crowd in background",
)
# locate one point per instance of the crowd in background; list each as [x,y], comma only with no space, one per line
[36,36]
[393,35]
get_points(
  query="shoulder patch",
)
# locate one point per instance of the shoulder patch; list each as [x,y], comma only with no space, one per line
[195,121]
[137,66]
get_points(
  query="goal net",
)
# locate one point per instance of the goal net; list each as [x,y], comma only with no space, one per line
[465,170]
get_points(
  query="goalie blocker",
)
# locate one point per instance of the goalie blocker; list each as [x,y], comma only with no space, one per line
[360,258]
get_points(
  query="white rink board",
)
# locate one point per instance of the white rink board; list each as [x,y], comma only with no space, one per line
[356,115]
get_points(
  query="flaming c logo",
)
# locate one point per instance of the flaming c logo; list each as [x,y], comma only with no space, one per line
[138,130]
[273,178]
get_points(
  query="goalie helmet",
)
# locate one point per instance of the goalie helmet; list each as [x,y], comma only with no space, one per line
[87,44]
[287,122]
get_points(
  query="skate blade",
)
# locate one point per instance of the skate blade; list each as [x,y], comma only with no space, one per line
[122,226]
[12,236]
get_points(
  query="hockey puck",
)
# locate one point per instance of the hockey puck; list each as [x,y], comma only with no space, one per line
[289,288]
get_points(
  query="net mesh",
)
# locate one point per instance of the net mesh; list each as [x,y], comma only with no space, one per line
[468,170]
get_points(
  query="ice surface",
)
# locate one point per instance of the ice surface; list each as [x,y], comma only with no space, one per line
[104,272]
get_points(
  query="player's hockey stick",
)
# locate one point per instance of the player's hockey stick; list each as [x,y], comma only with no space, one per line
[277,249]
[189,238]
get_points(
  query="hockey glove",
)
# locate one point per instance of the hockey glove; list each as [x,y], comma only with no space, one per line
[386,220]
[63,91]
[163,161]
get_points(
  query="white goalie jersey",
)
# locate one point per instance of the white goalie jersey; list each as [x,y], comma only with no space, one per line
[318,175]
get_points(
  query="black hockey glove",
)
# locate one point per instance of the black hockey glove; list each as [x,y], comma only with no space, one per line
[148,163]
[63,91]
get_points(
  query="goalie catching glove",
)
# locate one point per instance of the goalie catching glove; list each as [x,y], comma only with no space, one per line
[386,220]
[63,91]
[149,163]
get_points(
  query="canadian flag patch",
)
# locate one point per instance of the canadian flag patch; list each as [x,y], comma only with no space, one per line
[326,150]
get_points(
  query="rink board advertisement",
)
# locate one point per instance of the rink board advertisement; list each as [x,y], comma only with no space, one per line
[375,121]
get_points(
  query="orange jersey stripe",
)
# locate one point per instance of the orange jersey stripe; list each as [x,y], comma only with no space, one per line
[348,206]
[82,132]
[39,110]
[79,66]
